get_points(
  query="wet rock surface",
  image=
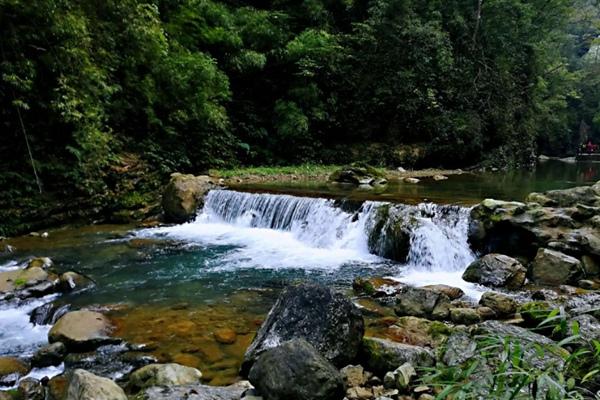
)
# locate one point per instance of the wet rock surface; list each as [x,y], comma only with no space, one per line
[84,385]
[82,330]
[296,371]
[194,392]
[184,195]
[164,375]
[327,320]
[381,355]
[496,270]
[11,369]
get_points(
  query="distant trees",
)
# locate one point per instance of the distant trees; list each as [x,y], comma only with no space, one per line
[191,84]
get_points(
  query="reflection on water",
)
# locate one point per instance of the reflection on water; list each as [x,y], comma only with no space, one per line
[466,188]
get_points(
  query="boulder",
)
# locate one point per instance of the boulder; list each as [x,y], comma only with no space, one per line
[423,303]
[502,304]
[583,195]
[70,281]
[164,375]
[520,229]
[358,174]
[29,282]
[326,319]
[530,342]
[555,268]
[40,262]
[84,385]
[464,316]
[52,354]
[48,314]
[382,355]
[296,371]
[419,331]
[589,327]
[11,369]
[195,392]
[496,270]
[31,389]
[184,195]
[81,330]
[452,292]
[535,312]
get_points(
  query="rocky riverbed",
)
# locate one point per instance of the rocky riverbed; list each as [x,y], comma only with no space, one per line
[537,270]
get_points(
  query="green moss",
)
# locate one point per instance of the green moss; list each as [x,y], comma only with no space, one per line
[438,329]
[20,282]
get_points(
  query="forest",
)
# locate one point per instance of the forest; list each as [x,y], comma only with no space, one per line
[187,85]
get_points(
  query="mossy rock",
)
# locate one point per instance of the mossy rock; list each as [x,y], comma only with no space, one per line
[535,312]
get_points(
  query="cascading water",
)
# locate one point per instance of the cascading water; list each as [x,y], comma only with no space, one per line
[279,231]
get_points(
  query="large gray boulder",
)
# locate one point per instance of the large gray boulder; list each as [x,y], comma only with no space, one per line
[164,375]
[84,385]
[382,355]
[496,270]
[81,330]
[555,268]
[296,371]
[538,351]
[326,319]
[184,195]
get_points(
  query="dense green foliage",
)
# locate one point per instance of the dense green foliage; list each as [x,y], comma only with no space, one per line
[192,84]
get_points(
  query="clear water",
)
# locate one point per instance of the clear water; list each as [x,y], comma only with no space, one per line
[172,286]
[466,189]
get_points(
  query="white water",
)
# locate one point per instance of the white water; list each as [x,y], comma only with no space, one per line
[17,335]
[277,231]
[282,231]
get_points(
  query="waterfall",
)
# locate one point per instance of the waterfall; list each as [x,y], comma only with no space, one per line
[438,233]
[321,223]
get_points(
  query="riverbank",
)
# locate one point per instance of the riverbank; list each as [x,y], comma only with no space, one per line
[314,173]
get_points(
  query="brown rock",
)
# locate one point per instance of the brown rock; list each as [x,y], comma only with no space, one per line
[11,369]
[225,336]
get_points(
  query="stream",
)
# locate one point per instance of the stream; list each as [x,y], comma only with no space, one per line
[171,287]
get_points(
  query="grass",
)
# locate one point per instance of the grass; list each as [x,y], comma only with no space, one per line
[300,170]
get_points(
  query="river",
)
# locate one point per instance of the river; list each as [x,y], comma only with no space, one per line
[171,287]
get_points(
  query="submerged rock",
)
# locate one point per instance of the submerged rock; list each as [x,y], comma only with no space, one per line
[164,375]
[296,371]
[81,330]
[184,195]
[84,385]
[555,268]
[11,369]
[326,319]
[40,262]
[496,270]
[382,355]
[112,361]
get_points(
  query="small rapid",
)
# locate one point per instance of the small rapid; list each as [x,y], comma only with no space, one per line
[282,231]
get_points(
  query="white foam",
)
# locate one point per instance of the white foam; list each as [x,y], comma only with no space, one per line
[18,336]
